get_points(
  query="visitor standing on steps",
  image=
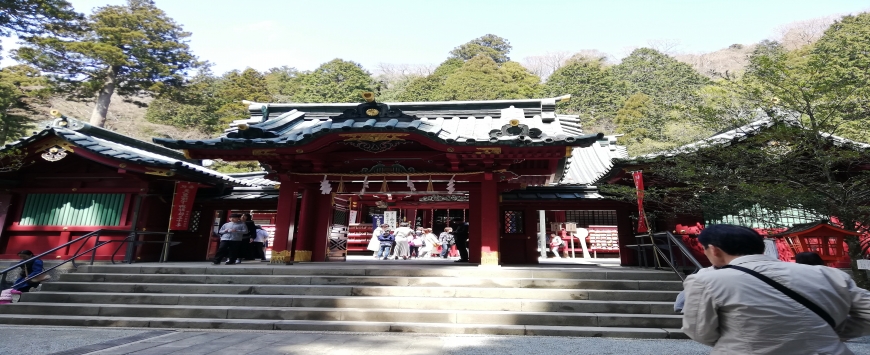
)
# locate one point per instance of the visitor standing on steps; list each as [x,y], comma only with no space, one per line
[403,237]
[416,243]
[259,244]
[374,243]
[460,234]
[247,248]
[446,240]
[751,303]
[430,243]
[231,234]
[386,239]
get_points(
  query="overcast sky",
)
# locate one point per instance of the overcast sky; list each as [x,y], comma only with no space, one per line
[235,34]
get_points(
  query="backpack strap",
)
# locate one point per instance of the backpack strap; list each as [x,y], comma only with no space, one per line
[788,292]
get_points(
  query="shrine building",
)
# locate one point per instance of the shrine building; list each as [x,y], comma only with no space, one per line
[514,169]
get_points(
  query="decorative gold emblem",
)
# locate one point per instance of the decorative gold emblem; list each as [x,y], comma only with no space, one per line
[489,258]
[242,126]
[122,165]
[488,151]
[280,257]
[299,151]
[55,142]
[569,151]
[186,153]
[302,255]
[373,137]
[372,112]
[54,154]
[159,172]
[368,96]
[263,152]
[515,122]
[450,150]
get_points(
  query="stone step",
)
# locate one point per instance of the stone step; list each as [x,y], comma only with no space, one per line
[349,314]
[344,326]
[326,290]
[409,303]
[381,270]
[398,281]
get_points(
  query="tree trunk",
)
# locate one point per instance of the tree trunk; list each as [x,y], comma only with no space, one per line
[98,116]
[855,254]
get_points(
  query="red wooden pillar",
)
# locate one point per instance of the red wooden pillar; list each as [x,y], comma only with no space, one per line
[304,236]
[489,221]
[286,221]
[626,236]
[321,228]
[474,226]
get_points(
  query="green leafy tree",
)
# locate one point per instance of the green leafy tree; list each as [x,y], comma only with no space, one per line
[668,82]
[22,89]
[36,17]
[596,94]
[335,81]
[283,83]
[430,88]
[812,93]
[488,45]
[208,103]
[125,50]
[481,78]
[632,117]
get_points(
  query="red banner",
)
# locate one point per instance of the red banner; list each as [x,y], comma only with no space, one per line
[182,203]
[641,216]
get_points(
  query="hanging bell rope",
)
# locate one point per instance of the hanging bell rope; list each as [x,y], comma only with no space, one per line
[384,187]
[430,188]
[340,188]
[365,185]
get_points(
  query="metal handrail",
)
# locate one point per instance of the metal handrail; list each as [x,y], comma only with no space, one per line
[684,250]
[94,249]
[687,255]
[64,245]
[665,258]
[78,253]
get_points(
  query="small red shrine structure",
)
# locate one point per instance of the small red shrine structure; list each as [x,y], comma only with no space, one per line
[822,238]
[339,155]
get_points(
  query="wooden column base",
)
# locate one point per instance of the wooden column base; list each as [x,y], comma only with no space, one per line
[302,255]
[489,259]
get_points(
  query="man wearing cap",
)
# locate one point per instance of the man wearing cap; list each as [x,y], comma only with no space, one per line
[231,234]
[750,303]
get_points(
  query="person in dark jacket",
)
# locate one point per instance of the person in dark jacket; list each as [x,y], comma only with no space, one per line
[460,235]
[28,269]
[247,252]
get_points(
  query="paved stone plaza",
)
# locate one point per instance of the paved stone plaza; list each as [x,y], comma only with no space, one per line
[103,341]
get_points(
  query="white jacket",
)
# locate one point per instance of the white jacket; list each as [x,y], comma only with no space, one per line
[737,313]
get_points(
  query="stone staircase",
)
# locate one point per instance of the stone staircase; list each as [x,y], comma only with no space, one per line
[389,297]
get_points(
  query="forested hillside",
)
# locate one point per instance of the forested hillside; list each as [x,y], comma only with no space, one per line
[97,67]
